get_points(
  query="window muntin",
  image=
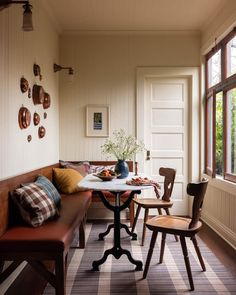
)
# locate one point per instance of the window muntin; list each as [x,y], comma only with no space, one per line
[231,131]
[231,57]
[209,133]
[219,134]
[214,69]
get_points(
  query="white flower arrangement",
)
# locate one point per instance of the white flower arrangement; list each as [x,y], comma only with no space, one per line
[122,146]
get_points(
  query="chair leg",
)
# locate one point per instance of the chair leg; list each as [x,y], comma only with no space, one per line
[144,225]
[150,251]
[187,263]
[163,242]
[197,249]
[168,213]
[136,218]
[131,214]
[159,211]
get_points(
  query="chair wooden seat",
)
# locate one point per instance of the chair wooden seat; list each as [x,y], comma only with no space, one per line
[183,227]
[158,203]
[173,225]
[153,203]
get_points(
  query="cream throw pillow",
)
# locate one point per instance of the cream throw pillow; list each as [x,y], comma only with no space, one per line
[67,180]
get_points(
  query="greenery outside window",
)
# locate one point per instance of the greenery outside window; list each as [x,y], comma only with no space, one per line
[220,111]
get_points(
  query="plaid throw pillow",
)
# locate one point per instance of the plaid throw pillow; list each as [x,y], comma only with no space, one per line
[49,188]
[34,204]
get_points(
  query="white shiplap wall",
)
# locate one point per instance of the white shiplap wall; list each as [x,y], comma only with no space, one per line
[219,209]
[105,73]
[18,52]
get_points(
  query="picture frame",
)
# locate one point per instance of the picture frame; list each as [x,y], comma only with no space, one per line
[97,120]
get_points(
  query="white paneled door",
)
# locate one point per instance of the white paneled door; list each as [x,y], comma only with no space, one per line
[164,115]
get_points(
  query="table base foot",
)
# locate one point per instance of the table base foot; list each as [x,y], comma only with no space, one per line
[133,235]
[102,235]
[117,254]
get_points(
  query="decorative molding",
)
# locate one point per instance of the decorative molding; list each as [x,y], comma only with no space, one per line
[133,32]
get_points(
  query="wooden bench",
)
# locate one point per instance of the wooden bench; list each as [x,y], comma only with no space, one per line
[50,241]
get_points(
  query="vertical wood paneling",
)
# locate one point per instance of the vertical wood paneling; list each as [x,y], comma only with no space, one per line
[219,212]
[105,73]
[18,52]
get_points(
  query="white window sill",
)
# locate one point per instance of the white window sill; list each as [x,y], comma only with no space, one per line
[222,184]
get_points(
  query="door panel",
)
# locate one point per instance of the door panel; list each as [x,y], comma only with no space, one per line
[166,133]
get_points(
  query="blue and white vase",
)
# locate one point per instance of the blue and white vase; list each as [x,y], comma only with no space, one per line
[122,169]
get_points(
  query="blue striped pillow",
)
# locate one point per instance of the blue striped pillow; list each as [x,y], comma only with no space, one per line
[49,188]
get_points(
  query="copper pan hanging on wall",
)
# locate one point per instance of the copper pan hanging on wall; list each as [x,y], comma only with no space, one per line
[24,85]
[38,94]
[24,117]
[41,132]
[36,119]
[46,101]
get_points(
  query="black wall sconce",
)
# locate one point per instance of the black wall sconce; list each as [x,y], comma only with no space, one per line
[27,14]
[57,68]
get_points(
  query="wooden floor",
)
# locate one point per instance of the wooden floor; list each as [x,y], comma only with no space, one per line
[35,284]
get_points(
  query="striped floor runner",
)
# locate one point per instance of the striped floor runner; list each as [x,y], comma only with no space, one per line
[119,277]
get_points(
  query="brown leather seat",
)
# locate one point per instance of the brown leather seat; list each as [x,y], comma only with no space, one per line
[53,235]
[183,227]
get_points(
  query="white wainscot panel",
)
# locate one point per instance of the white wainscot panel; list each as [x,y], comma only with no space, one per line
[175,163]
[167,117]
[166,91]
[171,141]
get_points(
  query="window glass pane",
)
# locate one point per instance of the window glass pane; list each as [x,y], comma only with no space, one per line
[209,132]
[231,131]
[214,69]
[219,133]
[231,57]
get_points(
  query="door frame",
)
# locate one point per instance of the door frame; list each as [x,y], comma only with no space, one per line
[194,136]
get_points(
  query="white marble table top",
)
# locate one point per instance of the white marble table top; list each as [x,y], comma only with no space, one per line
[117,185]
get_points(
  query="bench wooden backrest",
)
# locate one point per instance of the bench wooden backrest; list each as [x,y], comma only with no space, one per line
[8,185]
[105,163]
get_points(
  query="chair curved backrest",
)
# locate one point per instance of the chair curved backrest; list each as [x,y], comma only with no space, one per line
[197,190]
[169,174]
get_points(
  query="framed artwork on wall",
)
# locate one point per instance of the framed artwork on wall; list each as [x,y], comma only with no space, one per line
[97,120]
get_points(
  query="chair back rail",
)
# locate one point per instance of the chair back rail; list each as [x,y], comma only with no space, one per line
[197,190]
[169,175]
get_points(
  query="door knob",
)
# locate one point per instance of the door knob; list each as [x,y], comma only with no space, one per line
[148,156]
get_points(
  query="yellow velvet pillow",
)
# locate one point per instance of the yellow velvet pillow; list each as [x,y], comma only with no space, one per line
[67,180]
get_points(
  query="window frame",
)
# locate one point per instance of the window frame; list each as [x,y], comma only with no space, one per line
[225,85]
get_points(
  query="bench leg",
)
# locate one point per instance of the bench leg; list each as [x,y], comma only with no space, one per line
[60,274]
[82,235]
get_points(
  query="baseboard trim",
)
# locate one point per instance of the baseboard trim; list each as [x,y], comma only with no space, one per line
[223,231]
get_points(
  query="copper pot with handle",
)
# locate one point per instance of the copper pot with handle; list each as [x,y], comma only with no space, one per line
[38,94]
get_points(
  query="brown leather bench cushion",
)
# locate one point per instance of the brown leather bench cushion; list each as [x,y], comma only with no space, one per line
[53,235]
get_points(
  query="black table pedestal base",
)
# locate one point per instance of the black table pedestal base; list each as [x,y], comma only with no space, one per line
[110,226]
[117,250]
[117,253]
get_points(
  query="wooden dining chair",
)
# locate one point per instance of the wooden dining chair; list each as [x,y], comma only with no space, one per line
[157,203]
[183,227]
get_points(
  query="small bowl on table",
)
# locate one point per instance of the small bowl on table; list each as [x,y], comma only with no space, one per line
[105,178]
[106,175]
